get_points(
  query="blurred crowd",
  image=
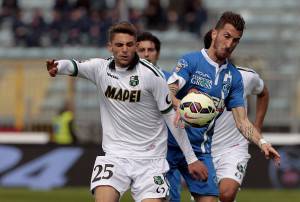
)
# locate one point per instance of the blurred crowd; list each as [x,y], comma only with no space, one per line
[85,22]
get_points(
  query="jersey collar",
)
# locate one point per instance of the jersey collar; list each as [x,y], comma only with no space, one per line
[213,63]
[135,61]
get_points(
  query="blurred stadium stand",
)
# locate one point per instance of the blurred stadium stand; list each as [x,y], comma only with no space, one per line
[29,98]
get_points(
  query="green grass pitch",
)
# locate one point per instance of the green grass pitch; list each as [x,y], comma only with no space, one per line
[83,195]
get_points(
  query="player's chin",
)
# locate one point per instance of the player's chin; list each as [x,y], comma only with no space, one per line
[124,63]
[224,55]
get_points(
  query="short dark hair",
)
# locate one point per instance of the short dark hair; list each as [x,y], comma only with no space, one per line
[232,18]
[147,36]
[122,27]
[207,39]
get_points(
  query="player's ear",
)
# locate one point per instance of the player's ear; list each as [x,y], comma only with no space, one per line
[214,34]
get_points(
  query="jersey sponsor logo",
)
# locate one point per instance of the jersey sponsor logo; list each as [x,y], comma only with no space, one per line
[182,63]
[112,76]
[201,81]
[123,94]
[168,99]
[134,80]
[203,74]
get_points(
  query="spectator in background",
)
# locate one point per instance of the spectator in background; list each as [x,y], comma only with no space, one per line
[55,28]
[85,4]
[94,28]
[63,127]
[193,17]
[36,29]
[9,8]
[62,6]
[155,15]
[135,18]
[20,29]
[98,5]
[77,26]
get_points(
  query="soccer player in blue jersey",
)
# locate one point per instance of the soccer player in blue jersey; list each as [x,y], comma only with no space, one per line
[209,71]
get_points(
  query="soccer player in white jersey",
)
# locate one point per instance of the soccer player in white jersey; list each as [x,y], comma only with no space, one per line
[135,105]
[229,147]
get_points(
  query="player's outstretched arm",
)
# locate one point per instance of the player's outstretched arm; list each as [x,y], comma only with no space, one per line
[262,103]
[196,168]
[251,133]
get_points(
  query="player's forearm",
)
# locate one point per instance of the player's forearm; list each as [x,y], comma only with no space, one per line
[181,137]
[174,89]
[65,67]
[246,128]
[249,132]
[262,103]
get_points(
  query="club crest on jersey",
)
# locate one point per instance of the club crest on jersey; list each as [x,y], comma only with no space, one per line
[241,167]
[134,80]
[158,180]
[182,63]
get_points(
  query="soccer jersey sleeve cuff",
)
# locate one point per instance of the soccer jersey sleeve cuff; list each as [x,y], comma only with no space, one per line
[67,67]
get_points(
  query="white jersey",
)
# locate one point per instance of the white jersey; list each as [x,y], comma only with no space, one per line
[226,135]
[131,103]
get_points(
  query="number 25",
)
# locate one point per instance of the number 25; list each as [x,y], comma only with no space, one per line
[106,174]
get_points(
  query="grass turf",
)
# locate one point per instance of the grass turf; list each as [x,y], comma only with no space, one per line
[83,195]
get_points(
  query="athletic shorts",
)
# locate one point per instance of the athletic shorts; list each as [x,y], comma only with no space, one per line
[203,188]
[232,163]
[174,176]
[146,178]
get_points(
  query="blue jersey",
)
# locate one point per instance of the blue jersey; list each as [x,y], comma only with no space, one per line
[224,84]
[167,74]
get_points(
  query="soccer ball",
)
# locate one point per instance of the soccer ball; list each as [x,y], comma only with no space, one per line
[197,109]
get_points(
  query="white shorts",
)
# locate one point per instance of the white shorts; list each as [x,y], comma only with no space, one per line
[146,178]
[232,163]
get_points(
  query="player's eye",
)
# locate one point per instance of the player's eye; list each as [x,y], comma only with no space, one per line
[118,44]
[130,44]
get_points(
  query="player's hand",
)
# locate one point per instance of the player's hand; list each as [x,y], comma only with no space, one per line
[271,153]
[178,122]
[198,170]
[52,67]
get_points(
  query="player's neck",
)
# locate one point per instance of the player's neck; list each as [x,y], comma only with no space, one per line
[211,54]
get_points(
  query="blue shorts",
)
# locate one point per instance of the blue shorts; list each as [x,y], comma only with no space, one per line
[177,162]
[174,177]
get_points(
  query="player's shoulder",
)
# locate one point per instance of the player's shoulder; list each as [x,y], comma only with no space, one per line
[150,69]
[192,55]
[247,72]
[95,61]
[246,69]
